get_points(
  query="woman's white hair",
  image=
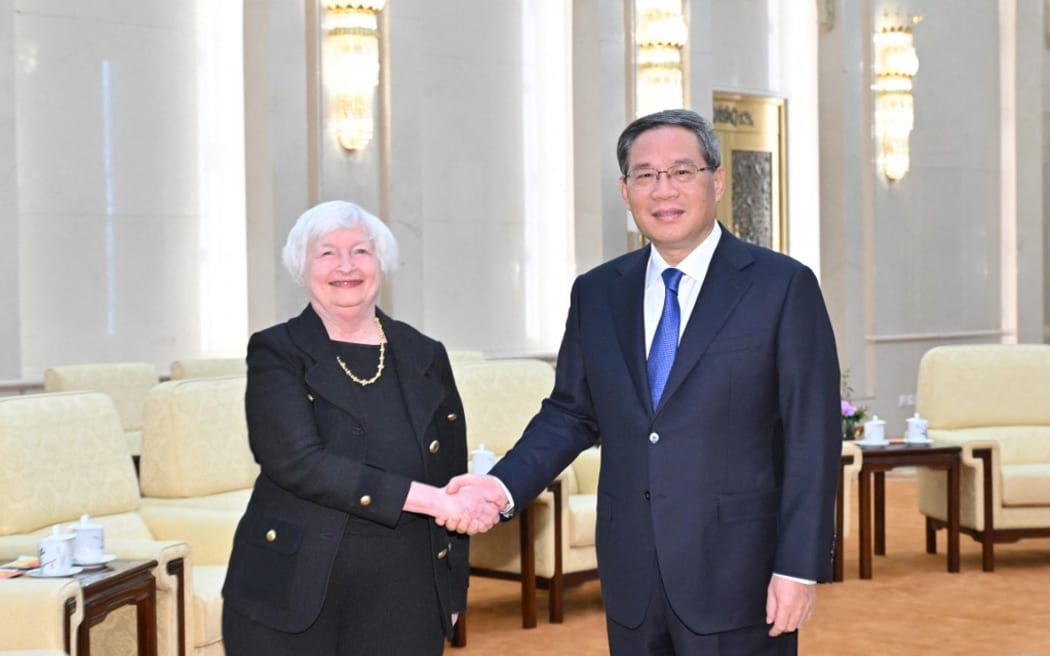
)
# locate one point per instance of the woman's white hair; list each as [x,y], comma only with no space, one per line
[327,217]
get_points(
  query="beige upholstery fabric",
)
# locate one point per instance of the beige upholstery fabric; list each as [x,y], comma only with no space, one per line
[985,385]
[993,396]
[68,456]
[849,475]
[499,399]
[34,615]
[208,368]
[127,383]
[63,454]
[195,442]
[466,356]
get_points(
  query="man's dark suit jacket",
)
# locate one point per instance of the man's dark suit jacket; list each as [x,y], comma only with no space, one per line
[309,433]
[734,476]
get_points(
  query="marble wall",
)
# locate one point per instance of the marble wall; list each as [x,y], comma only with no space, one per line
[129,232]
[130,181]
[10,320]
[953,252]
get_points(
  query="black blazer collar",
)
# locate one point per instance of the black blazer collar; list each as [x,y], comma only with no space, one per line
[413,357]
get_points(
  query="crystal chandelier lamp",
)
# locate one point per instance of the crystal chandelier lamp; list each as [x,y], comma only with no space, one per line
[351,67]
[896,64]
[660,34]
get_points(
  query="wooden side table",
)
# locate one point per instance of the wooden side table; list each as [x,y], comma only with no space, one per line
[118,584]
[876,462]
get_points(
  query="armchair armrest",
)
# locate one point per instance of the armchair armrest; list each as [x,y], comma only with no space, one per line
[208,532]
[40,613]
[980,459]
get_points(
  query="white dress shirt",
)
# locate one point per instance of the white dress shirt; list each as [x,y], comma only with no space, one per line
[694,270]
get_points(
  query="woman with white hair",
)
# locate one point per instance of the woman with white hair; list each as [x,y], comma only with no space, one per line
[356,424]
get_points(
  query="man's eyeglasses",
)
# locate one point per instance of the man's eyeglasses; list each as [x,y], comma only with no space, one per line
[679,174]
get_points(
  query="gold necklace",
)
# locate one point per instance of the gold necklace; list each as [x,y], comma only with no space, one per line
[382,356]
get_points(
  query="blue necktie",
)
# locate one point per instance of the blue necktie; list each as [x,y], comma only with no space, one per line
[665,341]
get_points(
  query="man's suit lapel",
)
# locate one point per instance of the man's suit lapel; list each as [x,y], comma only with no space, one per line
[725,284]
[628,299]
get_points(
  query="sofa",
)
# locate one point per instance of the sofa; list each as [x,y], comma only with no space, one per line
[65,454]
[195,451]
[992,400]
[127,383]
[499,398]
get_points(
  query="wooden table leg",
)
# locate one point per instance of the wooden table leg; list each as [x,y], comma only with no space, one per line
[528,569]
[864,497]
[146,614]
[880,513]
[953,516]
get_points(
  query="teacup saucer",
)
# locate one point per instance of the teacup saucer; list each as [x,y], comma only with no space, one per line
[36,573]
[872,442]
[918,441]
[95,564]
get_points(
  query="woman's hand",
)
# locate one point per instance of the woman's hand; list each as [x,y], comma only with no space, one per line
[467,511]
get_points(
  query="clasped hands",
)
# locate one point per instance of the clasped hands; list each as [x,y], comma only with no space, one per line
[471,504]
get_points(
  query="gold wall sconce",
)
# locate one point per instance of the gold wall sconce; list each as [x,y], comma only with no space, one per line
[351,67]
[896,63]
[660,34]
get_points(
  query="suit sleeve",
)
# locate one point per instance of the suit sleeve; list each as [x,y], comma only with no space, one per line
[564,426]
[808,383]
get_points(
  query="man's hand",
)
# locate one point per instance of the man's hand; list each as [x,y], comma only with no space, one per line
[479,500]
[788,604]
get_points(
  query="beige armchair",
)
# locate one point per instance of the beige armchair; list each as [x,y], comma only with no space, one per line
[195,451]
[499,399]
[65,454]
[993,400]
[127,383]
[207,368]
[40,616]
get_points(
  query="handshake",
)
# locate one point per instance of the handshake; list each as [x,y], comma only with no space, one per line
[470,503]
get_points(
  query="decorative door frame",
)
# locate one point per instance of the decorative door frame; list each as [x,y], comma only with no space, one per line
[752,130]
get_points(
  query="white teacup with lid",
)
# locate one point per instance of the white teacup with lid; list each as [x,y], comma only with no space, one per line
[875,430]
[89,547]
[918,429]
[481,460]
[56,553]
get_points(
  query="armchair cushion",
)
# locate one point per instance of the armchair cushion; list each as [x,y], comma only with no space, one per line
[127,383]
[195,440]
[64,454]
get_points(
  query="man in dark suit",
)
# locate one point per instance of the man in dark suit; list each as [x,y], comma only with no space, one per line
[706,368]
